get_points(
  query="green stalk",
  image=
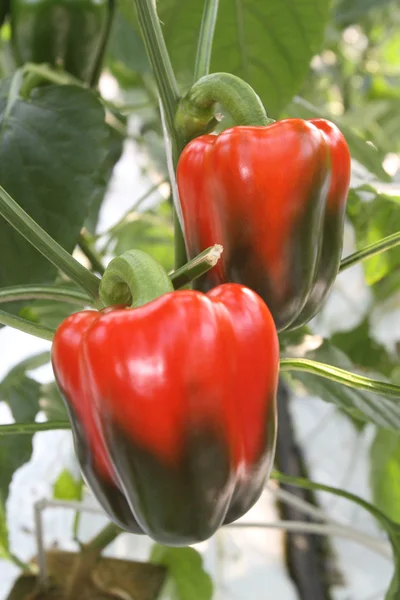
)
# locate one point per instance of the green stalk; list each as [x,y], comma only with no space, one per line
[386,243]
[169,99]
[45,244]
[206,37]
[26,326]
[30,428]
[43,292]
[340,376]
[196,267]
[159,59]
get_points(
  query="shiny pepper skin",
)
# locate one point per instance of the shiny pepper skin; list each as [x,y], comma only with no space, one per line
[173,406]
[67,33]
[275,198]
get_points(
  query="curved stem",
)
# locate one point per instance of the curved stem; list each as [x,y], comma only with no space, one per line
[195,114]
[134,278]
[43,292]
[29,428]
[386,243]
[159,59]
[340,376]
[206,37]
[197,266]
[45,244]
[26,326]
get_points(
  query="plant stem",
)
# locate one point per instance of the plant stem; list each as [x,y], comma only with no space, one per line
[386,243]
[26,326]
[90,254]
[87,558]
[340,376]
[45,244]
[159,59]
[169,99]
[322,529]
[43,292]
[196,267]
[206,37]
[29,428]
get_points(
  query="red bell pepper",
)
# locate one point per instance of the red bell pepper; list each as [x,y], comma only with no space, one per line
[175,401]
[275,198]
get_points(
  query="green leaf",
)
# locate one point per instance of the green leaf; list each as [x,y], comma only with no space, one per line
[269,44]
[374,219]
[21,393]
[362,405]
[148,232]
[362,350]
[352,11]
[185,569]
[51,402]
[385,473]
[67,487]
[52,147]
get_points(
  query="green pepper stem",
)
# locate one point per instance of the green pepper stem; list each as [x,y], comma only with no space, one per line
[195,114]
[44,292]
[382,245]
[206,37]
[26,326]
[197,266]
[134,278]
[33,74]
[45,244]
[340,376]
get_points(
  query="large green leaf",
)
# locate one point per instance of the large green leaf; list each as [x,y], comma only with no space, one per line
[385,472]
[361,405]
[52,148]
[267,43]
[185,572]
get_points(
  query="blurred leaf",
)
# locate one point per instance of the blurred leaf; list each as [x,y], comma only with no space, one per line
[352,11]
[269,44]
[362,406]
[51,402]
[365,352]
[48,312]
[385,472]
[365,153]
[373,220]
[126,47]
[67,487]
[185,569]
[114,147]
[52,147]
[150,233]
[21,393]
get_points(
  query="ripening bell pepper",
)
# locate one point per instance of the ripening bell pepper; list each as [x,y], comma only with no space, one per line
[68,33]
[175,402]
[275,198]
